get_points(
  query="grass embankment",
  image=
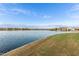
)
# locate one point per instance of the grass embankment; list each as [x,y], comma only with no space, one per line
[60,44]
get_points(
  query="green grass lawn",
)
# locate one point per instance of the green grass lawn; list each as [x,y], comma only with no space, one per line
[60,44]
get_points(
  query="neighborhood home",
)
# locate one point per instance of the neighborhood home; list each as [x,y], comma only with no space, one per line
[77,29]
[65,29]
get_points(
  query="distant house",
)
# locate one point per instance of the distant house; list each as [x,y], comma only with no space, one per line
[66,29]
[77,29]
[71,28]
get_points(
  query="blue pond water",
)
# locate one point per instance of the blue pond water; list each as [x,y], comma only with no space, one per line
[10,40]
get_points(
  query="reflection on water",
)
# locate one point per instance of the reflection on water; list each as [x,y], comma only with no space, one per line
[12,39]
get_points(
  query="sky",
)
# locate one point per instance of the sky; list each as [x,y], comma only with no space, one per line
[41,14]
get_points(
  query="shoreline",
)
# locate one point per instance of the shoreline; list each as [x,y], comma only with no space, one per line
[28,47]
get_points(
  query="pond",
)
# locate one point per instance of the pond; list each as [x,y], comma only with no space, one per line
[10,40]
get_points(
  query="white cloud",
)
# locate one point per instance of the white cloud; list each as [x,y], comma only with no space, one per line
[20,11]
[73,13]
[75,7]
[47,16]
[4,10]
[75,16]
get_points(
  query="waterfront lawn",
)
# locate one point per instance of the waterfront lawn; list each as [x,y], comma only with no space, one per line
[60,44]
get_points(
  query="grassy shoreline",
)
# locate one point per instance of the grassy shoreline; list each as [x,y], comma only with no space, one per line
[59,44]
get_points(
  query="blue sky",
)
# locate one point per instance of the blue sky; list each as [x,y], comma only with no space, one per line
[40,14]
